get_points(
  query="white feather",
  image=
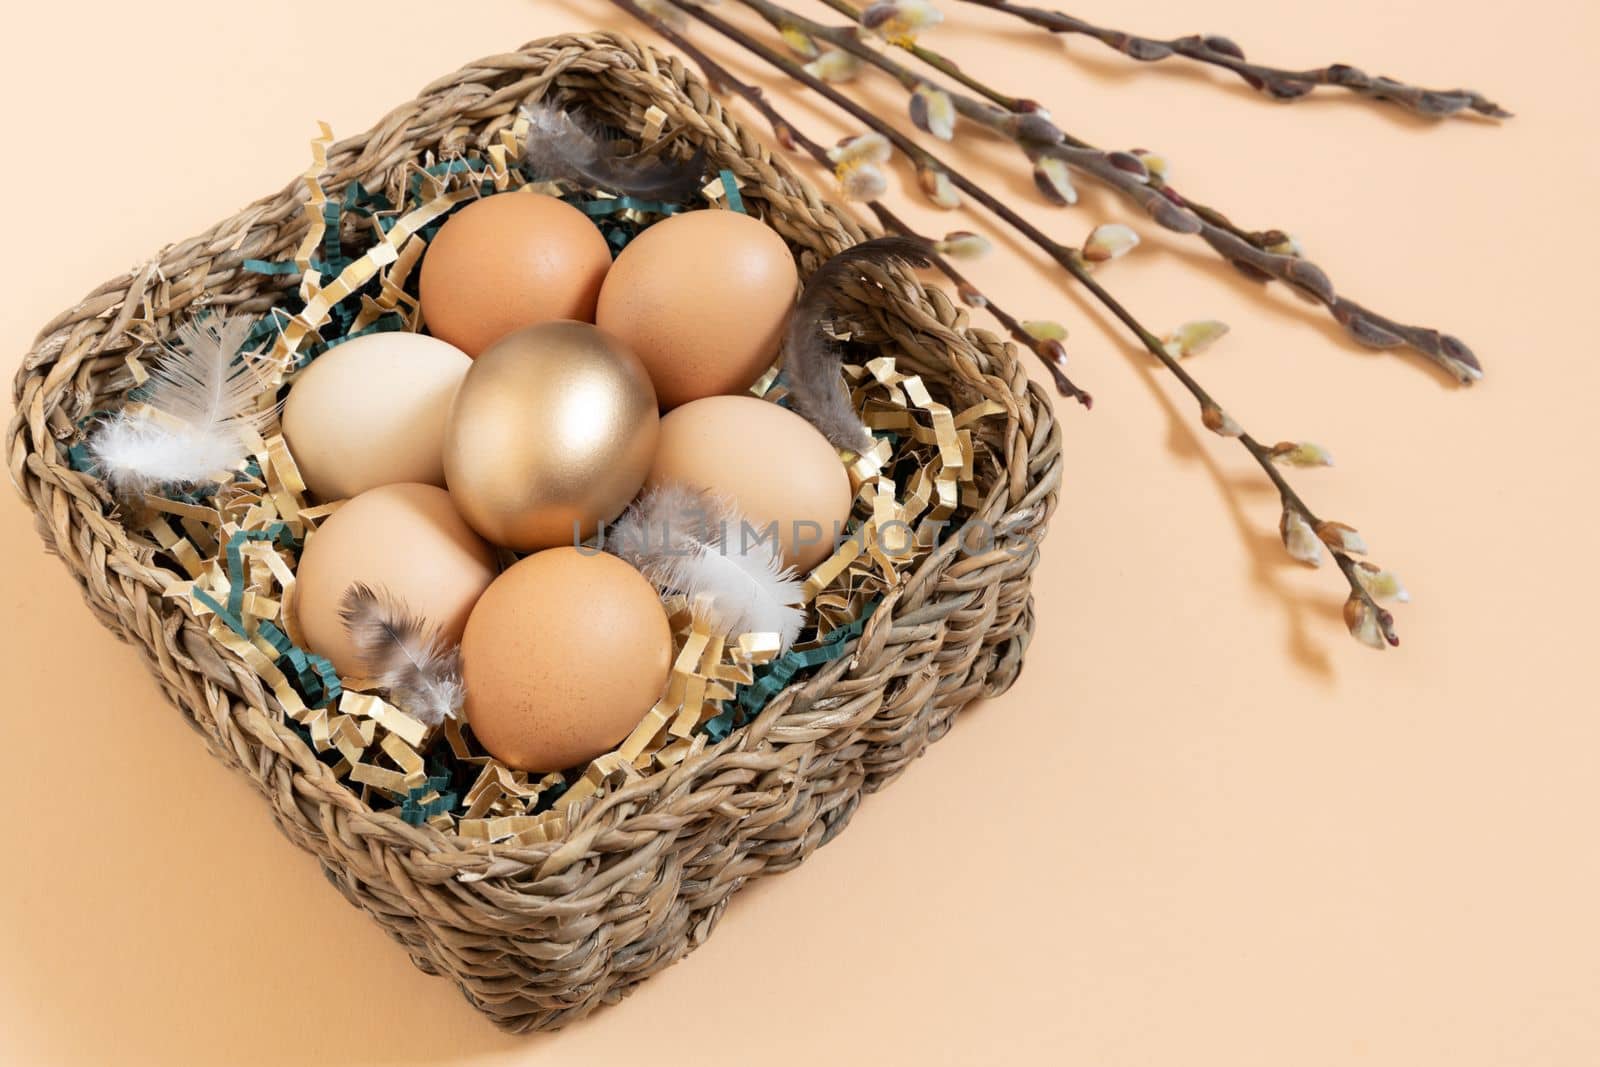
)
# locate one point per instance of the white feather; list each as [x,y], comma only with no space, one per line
[202,397]
[694,543]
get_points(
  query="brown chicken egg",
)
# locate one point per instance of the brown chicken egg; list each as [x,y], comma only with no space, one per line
[703,299]
[562,657]
[510,261]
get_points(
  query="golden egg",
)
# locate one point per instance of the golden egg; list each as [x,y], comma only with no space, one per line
[404,539]
[773,465]
[372,411]
[551,434]
[703,298]
[510,261]
[562,657]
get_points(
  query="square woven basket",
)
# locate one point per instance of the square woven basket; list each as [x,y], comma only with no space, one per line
[536,936]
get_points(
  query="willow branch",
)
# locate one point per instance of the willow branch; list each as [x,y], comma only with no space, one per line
[1280,84]
[1069,259]
[1051,353]
[1024,123]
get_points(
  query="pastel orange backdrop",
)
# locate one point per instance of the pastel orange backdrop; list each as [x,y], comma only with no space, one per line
[1205,828]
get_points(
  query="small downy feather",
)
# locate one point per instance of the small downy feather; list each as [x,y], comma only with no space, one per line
[811,356]
[697,544]
[202,396]
[421,671]
[565,146]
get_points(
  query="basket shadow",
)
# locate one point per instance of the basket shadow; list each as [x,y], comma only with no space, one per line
[190,928]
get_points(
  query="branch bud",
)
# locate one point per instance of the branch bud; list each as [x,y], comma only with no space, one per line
[834,66]
[1299,538]
[1222,45]
[1380,583]
[1194,337]
[963,244]
[1282,244]
[1340,538]
[862,181]
[799,42]
[1219,422]
[1034,127]
[940,189]
[1054,181]
[1045,330]
[1371,626]
[901,20]
[1109,241]
[1129,163]
[1154,162]
[862,148]
[933,111]
[1301,454]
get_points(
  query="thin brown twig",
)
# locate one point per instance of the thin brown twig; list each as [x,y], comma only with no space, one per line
[1068,258]
[1218,51]
[1025,124]
[1051,353]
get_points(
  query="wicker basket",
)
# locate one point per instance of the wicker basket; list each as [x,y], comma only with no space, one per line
[537,936]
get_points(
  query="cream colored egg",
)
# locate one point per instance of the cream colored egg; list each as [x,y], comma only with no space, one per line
[405,540]
[562,657]
[372,412]
[775,467]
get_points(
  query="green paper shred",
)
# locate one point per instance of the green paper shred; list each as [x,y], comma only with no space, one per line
[415,812]
[730,187]
[314,676]
[771,679]
[267,266]
[278,532]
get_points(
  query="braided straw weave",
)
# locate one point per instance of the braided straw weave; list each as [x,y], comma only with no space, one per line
[539,935]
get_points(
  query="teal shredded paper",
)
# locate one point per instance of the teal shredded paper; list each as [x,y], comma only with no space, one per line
[314,676]
[287,266]
[730,187]
[278,532]
[771,679]
[416,811]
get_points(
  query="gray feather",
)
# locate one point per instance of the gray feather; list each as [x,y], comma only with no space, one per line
[412,660]
[811,356]
[563,146]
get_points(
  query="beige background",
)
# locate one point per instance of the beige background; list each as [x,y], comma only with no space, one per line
[1204,829]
